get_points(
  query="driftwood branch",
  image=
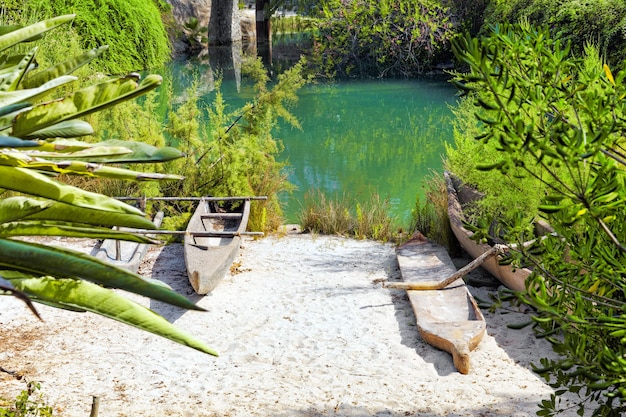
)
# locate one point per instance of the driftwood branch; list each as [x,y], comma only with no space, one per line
[438,285]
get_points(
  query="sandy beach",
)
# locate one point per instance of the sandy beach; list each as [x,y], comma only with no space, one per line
[303,328]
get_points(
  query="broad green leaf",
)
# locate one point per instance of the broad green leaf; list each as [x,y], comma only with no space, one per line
[111,151]
[4,110]
[9,62]
[29,32]
[66,263]
[67,129]
[64,68]
[141,152]
[49,228]
[82,103]
[68,213]
[6,121]
[63,145]
[88,153]
[7,288]
[11,158]
[91,297]
[33,183]
[9,80]
[32,94]
[11,142]
[15,208]
[98,170]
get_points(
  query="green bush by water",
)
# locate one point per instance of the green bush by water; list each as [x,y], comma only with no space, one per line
[382,39]
[602,22]
[133,29]
[538,99]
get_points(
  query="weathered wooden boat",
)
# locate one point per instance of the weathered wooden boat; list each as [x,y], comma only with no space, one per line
[447,315]
[212,240]
[458,196]
[123,253]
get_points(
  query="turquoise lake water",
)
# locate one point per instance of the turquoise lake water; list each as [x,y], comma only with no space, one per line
[360,137]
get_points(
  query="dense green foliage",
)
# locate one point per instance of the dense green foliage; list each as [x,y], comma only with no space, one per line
[562,120]
[359,38]
[236,153]
[602,22]
[511,199]
[133,29]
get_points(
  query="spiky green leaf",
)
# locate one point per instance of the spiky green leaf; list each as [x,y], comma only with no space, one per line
[87,296]
[82,103]
[51,228]
[66,263]
[64,68]
[33,183]
[30,32]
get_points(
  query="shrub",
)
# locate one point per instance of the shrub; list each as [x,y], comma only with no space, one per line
[235,153]
[601,22]
[538,100]
[133,29]
[358,38]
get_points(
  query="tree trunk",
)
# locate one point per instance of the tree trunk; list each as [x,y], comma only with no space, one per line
[263,30]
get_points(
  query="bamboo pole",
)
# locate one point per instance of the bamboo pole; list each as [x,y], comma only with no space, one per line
[95,406]
[438,285]
[192,198]
[196,234]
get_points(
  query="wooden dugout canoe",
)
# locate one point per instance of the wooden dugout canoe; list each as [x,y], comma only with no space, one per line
[123,253]
[212,241]
[448,318]
[459,195]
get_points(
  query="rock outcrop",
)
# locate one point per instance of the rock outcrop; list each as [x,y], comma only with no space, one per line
[198,20]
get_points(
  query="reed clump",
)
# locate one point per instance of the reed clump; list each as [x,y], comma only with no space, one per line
[430,214]
[344,215]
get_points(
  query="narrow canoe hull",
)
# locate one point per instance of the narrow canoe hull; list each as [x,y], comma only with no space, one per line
[123,253]
[448,319]
[513,278]
[208,258]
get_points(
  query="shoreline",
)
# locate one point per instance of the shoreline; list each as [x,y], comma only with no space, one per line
[303,328]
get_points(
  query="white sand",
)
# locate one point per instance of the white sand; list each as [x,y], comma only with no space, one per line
[303,329]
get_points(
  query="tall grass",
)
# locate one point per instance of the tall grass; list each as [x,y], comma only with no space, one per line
[343,215]
[430,216]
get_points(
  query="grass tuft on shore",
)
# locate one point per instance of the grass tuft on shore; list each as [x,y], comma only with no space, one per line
[344,215]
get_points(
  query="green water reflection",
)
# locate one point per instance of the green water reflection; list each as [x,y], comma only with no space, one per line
[364,137]
[358,137]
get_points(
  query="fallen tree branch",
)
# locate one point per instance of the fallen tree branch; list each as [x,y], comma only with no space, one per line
[438,285]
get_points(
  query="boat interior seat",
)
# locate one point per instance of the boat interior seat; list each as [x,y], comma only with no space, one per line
[220,216]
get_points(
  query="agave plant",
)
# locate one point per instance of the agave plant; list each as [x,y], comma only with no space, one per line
[38,141]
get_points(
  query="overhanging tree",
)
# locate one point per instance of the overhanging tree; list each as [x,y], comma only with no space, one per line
[534,98]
